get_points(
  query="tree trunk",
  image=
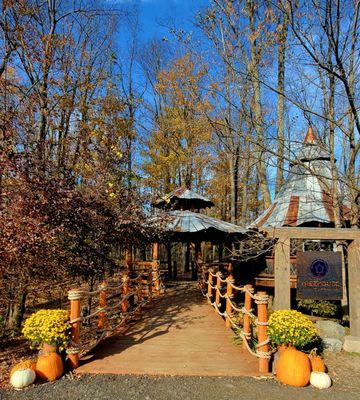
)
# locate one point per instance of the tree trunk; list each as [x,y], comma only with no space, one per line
[253,68]
[17,308]
[280,101]
[233,169]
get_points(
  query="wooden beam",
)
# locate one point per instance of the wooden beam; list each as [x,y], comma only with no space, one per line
[282,274]
[312,233]
[354,287]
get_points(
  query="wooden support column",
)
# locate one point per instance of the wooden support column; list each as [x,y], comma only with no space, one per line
[354,287]
[282,274]
[75,312]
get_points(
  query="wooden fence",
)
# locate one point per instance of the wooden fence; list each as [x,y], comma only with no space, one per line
[241,308]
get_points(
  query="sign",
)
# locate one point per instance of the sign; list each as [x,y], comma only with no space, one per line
[319,275]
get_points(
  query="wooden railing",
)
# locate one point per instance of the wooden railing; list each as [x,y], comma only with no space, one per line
[248,317]
[115,304]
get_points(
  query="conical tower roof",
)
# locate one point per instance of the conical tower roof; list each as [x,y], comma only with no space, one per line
[304,198]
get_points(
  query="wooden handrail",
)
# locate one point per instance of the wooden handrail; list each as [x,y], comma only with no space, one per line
[261,319]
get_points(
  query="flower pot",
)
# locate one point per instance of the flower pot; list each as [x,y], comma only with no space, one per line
[48,348]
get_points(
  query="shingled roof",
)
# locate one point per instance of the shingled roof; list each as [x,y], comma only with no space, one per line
[304,198]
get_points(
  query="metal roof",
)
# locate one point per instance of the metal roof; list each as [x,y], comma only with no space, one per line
[183,198]
[305,195]
[186,224]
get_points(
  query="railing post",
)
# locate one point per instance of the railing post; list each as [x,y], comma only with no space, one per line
[262,315]
[102,304]
[75,312]
[229,295]
[210,284]
[247,306]
[218,289]
[125,291]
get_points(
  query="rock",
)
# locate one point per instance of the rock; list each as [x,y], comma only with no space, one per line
[330,329]
[333,345]
[352,344]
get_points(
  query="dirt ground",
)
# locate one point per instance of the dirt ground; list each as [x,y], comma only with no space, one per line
[344,370]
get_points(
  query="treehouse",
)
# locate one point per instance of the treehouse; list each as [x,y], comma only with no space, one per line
[305,200]
[187,225]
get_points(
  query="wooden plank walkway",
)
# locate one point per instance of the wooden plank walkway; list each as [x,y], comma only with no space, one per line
[179,335]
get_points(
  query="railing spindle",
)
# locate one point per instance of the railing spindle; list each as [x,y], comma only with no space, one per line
[218,289]
[247,305]
[210,284]
[229,292]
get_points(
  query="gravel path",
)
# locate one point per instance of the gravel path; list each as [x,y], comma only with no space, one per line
[128,387]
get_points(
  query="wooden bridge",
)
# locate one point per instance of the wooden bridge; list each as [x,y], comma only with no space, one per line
[179,335]
[141,328]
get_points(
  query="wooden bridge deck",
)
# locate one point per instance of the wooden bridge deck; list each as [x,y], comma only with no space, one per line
[179,335]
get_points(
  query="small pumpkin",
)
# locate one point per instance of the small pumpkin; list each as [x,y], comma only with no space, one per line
[49,366]
[317,363]
[320,380]
[27,364]
[293,367]
[22,378]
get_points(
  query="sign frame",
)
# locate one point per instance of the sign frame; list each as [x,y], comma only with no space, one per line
[319,275]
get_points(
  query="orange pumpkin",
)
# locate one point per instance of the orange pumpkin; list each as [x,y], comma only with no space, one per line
[49,366]
[317,363]
[293,368]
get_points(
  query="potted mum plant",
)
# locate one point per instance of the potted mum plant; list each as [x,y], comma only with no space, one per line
[49,329]
[290,328]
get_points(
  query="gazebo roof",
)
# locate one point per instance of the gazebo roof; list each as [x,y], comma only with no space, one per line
[186,225]
[183,199]
[304,198]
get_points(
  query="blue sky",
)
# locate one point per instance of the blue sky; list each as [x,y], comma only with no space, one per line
[154,13]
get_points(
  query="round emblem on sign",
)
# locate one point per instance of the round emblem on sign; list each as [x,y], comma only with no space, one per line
[319,268]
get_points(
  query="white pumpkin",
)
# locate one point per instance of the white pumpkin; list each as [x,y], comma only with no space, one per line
[22,378]
[320,380]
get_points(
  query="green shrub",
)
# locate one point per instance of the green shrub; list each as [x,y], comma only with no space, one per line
[322,308]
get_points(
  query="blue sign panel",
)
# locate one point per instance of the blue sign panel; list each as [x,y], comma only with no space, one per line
[319,275]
